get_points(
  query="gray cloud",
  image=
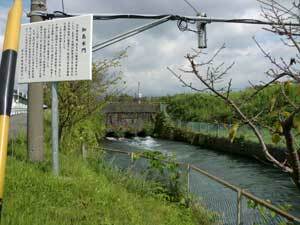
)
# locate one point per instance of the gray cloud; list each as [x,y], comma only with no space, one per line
[152,51]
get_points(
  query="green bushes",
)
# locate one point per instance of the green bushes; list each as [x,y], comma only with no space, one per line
[197,107]
[164,126]
[165,171]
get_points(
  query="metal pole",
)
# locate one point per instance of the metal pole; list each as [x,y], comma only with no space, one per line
[239,207]
[35,127]
[188,178]
[55,121]
[201,28]
[7,79]
[132,160]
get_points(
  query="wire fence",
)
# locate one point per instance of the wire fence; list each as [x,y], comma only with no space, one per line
[222,130]
[232,205]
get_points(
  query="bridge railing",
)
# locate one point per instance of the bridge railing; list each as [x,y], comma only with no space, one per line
[232,204]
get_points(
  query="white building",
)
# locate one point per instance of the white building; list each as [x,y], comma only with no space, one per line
[19,104]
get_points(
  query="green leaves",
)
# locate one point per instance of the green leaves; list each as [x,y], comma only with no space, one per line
[251,204]
[276,138]
[233,132]
[165,170]
[296,122]
[278,127]
[287,87]
[273,102]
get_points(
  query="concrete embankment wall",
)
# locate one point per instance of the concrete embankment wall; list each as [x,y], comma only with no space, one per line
[238,147]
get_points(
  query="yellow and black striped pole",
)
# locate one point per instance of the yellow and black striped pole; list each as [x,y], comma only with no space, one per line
[7,78]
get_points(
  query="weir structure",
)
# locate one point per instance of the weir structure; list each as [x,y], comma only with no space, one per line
[129,117]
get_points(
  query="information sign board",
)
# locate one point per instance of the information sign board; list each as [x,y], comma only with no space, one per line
[56,50]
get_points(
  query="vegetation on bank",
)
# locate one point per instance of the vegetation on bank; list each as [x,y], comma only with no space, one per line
[87,192]
[205,107]
[216,116]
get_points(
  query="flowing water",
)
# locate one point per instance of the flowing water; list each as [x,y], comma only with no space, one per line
[261,180]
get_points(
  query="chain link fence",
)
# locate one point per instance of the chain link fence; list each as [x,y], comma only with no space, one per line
[222,130]
[232,205]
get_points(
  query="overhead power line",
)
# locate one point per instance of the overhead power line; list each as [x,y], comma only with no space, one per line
[183,23]
[58,14]
[129,34]
[193,7]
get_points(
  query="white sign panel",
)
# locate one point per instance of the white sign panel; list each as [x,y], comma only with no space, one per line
[56,50]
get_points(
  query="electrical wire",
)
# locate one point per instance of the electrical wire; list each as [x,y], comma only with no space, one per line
[128,34]
[193,7]
[183,22]
[191,19]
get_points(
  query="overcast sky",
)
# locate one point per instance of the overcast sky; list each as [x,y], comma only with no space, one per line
[151,52]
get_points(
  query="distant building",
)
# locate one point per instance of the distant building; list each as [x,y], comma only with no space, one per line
[19,104]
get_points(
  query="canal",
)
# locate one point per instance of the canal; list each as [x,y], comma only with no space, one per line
[261,180]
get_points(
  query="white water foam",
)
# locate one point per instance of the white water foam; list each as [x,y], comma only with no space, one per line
[145,143]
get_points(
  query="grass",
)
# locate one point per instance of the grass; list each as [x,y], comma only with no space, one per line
[85,193]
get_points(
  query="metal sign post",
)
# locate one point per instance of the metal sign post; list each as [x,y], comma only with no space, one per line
[55,124]
[53,51]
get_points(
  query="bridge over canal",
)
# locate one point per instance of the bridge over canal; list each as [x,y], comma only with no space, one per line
[130,117]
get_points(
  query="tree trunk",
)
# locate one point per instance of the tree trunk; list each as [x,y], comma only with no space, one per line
[293,156]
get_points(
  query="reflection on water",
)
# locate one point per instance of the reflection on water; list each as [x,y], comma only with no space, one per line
[264,181]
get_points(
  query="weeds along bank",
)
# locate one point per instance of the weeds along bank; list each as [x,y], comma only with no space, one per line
[86,192]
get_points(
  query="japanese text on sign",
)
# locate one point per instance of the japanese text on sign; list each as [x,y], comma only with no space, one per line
[57,50]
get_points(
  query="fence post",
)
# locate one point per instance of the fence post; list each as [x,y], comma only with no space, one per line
[239,206]
[188,178]
[131,159]
[83,151]
[12,146]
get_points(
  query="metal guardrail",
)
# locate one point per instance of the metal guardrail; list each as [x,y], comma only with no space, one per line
[18,111]
[239,191]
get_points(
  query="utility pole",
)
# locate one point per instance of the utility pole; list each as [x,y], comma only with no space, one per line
[35,120]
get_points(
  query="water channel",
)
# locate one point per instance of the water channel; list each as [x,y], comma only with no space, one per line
[261,180]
